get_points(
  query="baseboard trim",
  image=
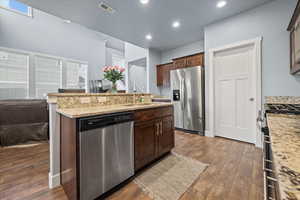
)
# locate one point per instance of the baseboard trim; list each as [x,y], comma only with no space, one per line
[54,181]
[208,133]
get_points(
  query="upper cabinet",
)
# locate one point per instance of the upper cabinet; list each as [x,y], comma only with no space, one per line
[195,60]
[294,29]
[189,61]
[163,74]
[163,70]
[179,63]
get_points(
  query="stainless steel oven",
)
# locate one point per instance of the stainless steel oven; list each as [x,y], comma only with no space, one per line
[270,181]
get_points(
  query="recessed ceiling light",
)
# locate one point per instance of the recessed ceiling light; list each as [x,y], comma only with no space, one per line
[144,1]
[221,4]
[149,37]
[176,24]
[67,21]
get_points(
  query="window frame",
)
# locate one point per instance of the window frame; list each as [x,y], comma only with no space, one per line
[29,13]
[64,80]
[31,66]
[27,69]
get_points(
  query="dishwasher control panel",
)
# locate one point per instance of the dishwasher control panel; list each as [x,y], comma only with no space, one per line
[104,120]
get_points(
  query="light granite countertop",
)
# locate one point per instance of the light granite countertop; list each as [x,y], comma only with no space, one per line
[93,94]
[92,111]
[285,138]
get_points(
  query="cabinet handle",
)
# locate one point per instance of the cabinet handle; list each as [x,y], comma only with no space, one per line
[161,128]
[157,129]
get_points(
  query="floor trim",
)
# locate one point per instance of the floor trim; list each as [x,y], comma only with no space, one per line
[54,181]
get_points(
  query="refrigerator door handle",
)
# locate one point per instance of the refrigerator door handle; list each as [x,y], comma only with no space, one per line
[182,93]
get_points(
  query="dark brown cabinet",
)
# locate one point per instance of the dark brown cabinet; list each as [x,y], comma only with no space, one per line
[163,70]
[159,75]
[163,74]
[195,60]
[153,135]
[294,29]
[69,157]
[145,143]
[189,61]
[166,138]
[179,63]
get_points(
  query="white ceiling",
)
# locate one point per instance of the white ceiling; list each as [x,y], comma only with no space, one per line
[132,20]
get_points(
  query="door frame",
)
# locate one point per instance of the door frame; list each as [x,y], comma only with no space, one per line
[257,42]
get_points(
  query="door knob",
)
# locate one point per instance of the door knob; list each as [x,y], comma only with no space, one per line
[251,99]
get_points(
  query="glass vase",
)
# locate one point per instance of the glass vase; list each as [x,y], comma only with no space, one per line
[114,88]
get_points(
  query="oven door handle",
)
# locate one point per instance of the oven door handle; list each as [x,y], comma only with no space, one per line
[271,179]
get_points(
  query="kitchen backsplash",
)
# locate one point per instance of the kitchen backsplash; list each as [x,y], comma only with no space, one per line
[96,100]
[282,100]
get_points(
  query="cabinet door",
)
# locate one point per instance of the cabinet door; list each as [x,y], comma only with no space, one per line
[180,63]
[163,74]
[166,74]
[145,139]
[166,135]
[295,49]
[160,75]
[294,28]
[195,60]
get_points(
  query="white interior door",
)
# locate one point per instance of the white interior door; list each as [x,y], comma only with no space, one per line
[234,93]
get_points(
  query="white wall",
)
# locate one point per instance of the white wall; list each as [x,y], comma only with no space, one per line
[269,21]
[137,76]
[133,52]
[189,49]
[154,59]
[109,52]
[48,34]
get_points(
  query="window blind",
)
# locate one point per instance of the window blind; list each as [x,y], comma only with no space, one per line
[47,75]
[13,75]
[32,75]
[76,75]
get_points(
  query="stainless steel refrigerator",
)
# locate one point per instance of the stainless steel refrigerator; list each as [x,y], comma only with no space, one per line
[187,86]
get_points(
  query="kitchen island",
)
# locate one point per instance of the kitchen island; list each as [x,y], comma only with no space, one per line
[79,100]
[152,133]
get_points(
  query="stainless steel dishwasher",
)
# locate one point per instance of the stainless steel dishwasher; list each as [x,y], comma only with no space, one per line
[106,153]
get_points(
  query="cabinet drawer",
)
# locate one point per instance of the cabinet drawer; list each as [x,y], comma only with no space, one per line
[150,114]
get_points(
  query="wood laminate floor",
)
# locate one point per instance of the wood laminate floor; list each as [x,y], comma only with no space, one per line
[234,172]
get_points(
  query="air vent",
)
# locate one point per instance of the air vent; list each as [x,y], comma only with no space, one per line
[106,7]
